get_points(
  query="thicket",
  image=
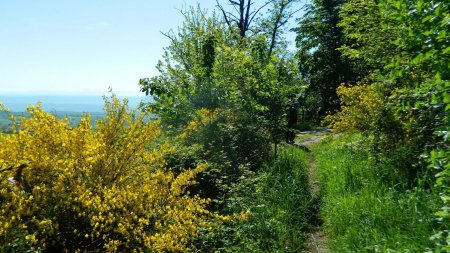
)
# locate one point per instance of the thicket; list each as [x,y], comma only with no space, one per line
[219,100]
[220,95]
[319,61]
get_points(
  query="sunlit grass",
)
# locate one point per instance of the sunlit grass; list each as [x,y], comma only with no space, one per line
[362,211]
[280,204]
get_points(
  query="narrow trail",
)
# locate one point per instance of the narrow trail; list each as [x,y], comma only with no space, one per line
[305,140]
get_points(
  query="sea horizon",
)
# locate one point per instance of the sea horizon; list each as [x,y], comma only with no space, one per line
[93,103]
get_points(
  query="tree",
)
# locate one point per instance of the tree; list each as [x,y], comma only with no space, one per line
[205,70]
[369,31]
[272,25]
[320,62]
[184,84]
[242,15]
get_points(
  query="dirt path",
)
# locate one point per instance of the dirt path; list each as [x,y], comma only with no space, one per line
[305,140]
[309,138]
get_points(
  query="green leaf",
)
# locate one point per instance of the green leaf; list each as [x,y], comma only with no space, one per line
[446,50]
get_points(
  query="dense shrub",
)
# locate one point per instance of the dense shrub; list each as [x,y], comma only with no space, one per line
[79,188]
[276,203]
[406,45]
[360,105]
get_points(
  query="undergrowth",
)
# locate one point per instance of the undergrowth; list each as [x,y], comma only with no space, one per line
[280,206]
[363,209]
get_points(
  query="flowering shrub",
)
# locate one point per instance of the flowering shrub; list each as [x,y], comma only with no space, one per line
[204,116]
[104,189]
[359,107]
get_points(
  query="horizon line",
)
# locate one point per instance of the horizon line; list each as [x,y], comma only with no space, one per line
[35,93]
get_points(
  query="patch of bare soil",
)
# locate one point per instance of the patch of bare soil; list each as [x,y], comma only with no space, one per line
[309,138]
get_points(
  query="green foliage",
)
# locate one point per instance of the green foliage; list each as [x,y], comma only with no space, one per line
[280,207]
[369,32]
[320,63]
[242,90]
[413,73]
[439,162]
[363,209]
[426,66]
[184,84]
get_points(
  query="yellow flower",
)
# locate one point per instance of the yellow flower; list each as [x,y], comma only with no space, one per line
[104,184]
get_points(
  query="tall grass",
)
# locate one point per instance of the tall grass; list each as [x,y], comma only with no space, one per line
[280,203]
[362,209]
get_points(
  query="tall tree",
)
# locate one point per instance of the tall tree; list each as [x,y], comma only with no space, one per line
[274,24]
[244,92]
[184,84]
[318,39]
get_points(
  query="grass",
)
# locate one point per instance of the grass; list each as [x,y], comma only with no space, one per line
[364,212]
[280,204]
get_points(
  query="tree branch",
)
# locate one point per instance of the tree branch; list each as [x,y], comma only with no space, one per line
[6,169]
[247,15]
[174,42]
[254,13]
[278,23]
[234,2]
[224,13]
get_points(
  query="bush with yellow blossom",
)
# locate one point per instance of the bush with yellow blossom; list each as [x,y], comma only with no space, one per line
[359,107]
[106,189]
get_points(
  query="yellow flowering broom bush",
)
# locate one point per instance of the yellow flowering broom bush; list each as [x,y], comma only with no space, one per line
[359,107]
[70,189]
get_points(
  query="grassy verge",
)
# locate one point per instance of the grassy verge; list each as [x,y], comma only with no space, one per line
[279,202]
[362,211]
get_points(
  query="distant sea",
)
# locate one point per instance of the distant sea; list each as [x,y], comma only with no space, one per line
[63,103]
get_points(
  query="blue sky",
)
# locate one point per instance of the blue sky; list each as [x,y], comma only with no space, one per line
[83,46]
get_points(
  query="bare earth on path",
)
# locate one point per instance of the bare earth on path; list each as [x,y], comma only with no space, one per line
[305,140]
